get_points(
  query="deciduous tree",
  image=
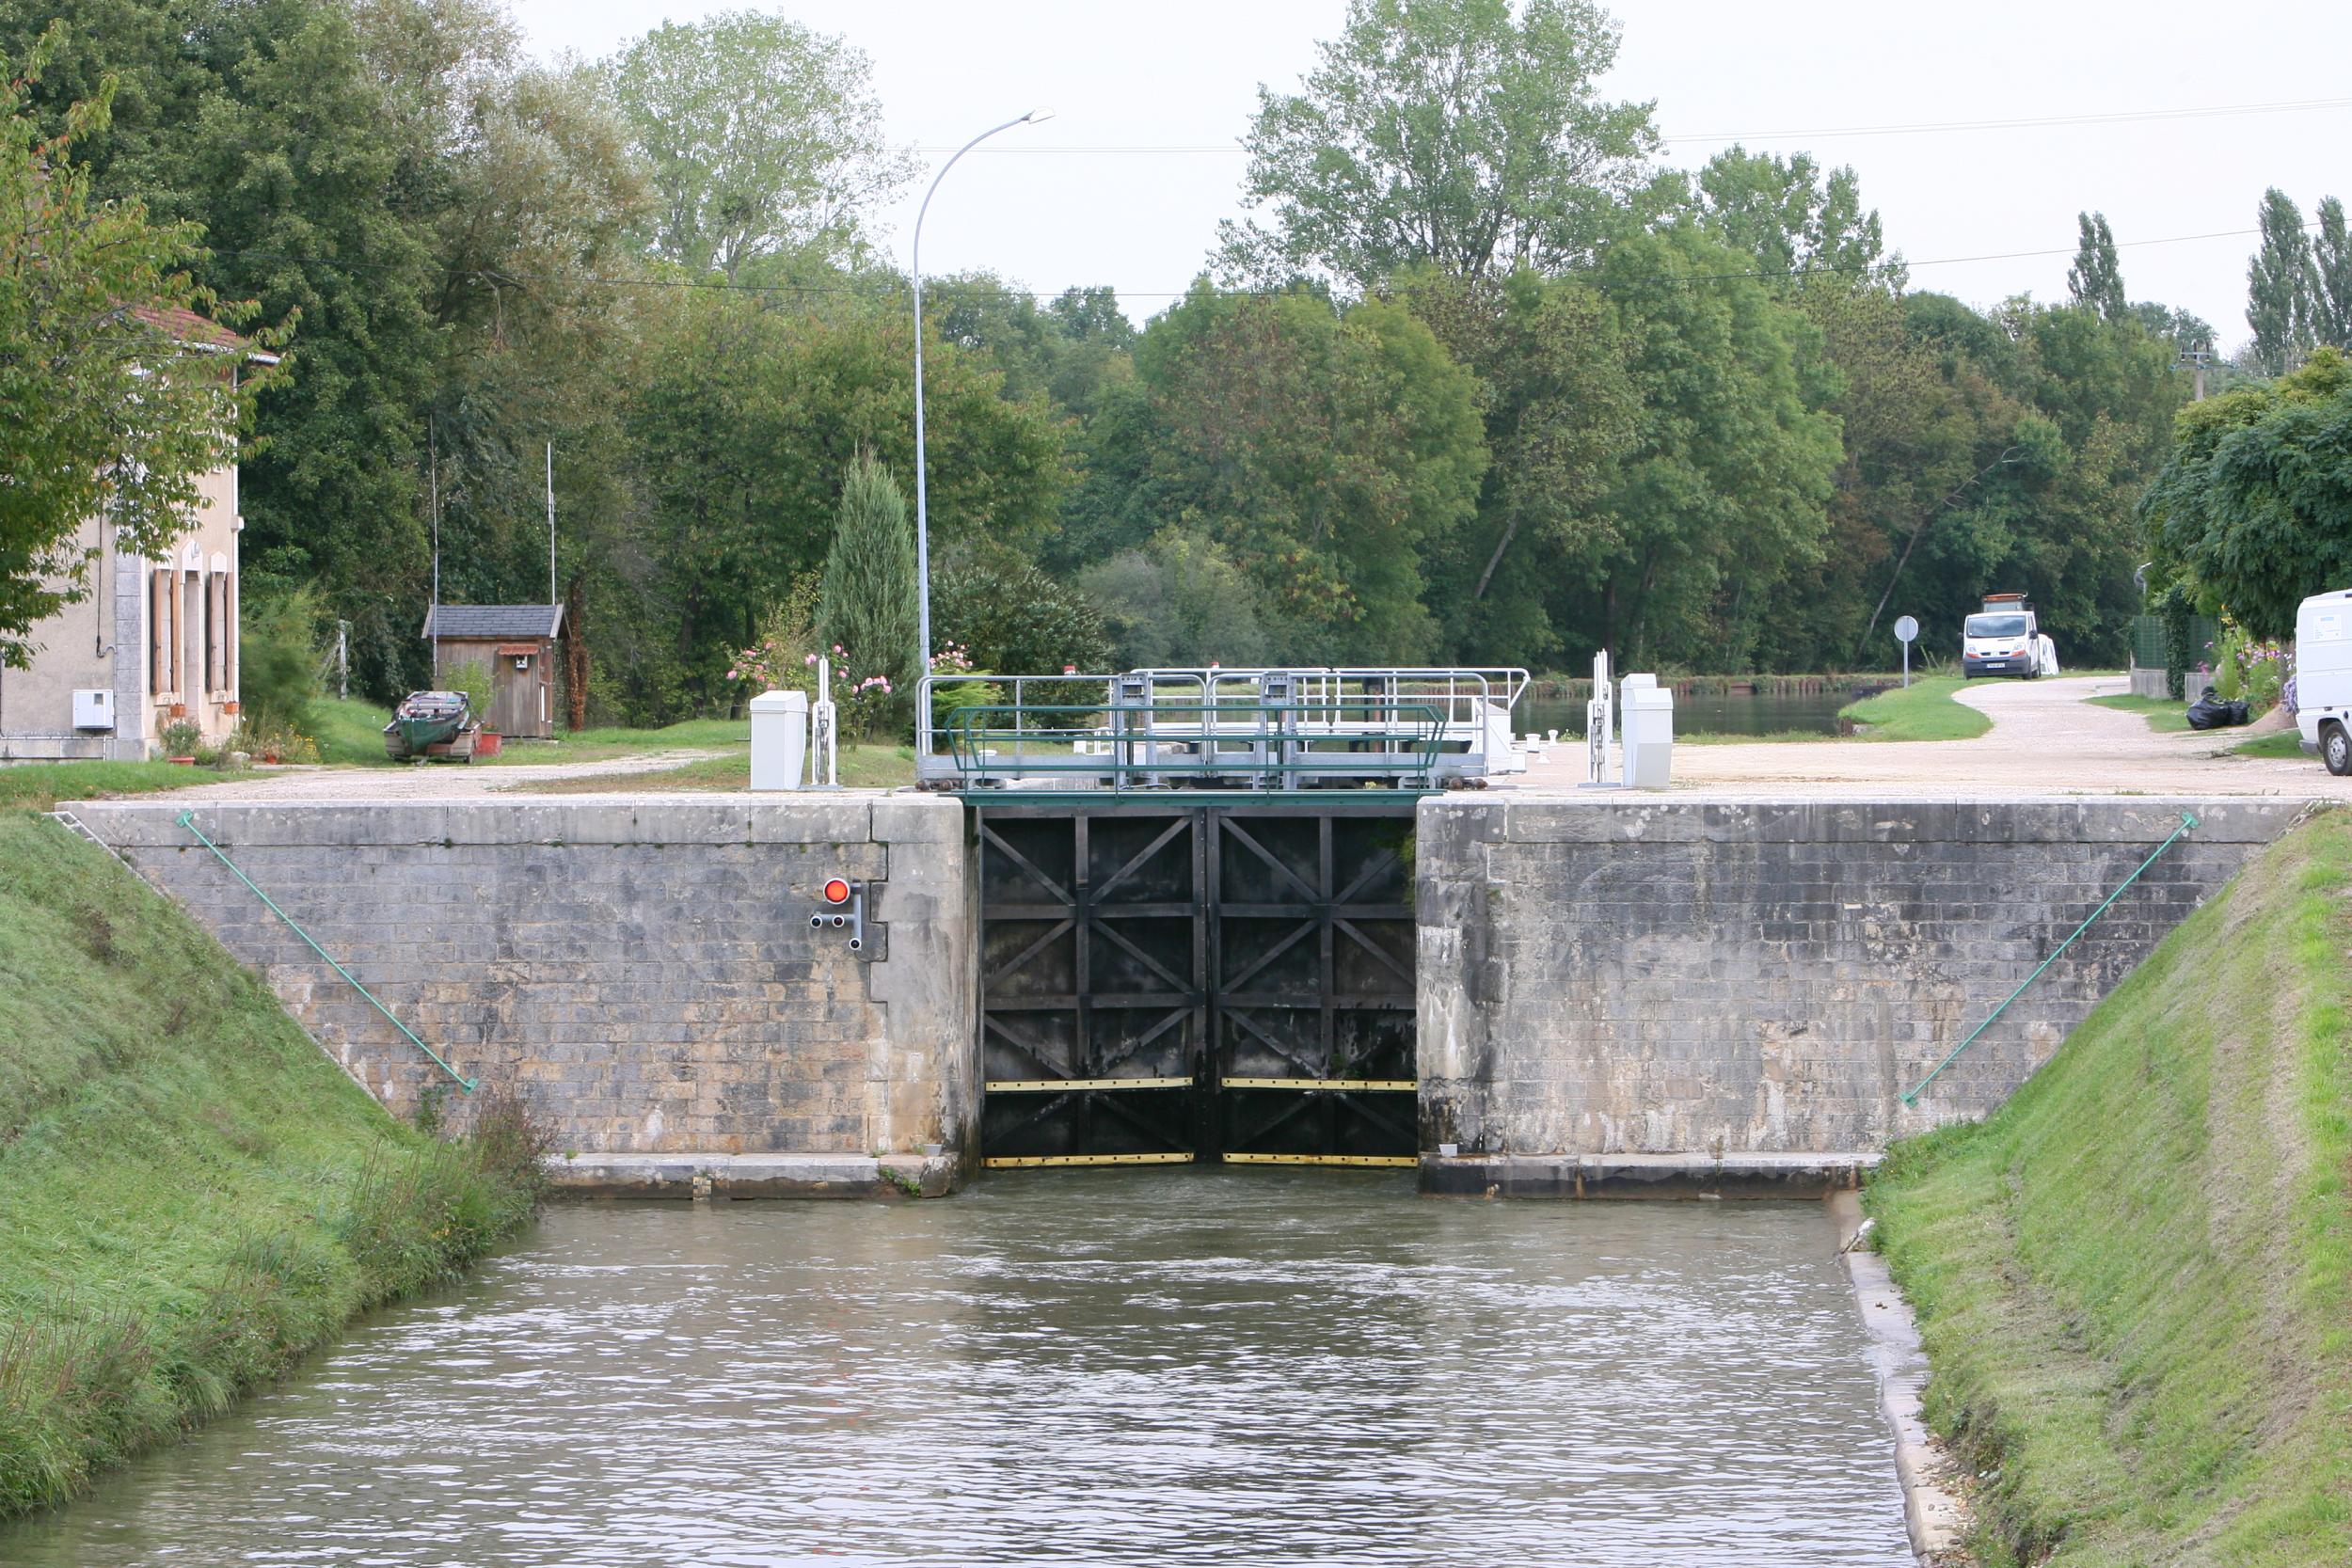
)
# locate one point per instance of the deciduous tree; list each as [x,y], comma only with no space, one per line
[2096,278]
[113,399]
[762,136]
[1466,134]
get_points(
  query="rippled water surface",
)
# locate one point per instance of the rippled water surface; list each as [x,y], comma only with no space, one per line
[1124,1367]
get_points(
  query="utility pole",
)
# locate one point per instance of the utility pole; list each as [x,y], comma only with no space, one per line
[2196,360]
[551,593]
[433,447]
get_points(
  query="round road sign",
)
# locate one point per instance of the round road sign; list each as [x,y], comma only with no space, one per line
[1906,629]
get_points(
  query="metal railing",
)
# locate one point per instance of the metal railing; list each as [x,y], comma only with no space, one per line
[1273,728]
[1231,744]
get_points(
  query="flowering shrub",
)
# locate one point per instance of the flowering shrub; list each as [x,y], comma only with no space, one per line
[948,696]
[2260,672]
[859,700]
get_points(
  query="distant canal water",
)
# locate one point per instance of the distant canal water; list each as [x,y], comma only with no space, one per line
[1124,1367]
[1717,714]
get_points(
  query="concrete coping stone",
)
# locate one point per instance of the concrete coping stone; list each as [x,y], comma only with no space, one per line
[1733,1174]
[589,821]
[767,1175]
[1521,818]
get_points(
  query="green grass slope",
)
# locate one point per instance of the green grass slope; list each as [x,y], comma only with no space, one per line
[191,1194]
[2134,1281]
[1924,710]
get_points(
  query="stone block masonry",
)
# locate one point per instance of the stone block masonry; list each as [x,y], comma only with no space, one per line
[1614,975]
[642,971]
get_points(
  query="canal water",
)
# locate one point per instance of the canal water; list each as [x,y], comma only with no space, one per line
[1200,1366]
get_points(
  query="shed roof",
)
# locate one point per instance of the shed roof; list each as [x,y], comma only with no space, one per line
[196,331]
[494,621]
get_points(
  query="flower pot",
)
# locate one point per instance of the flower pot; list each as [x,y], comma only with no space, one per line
[184,762]
[486,744]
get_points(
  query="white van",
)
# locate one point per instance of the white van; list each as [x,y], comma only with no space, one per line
[2323,677]
[2006,639]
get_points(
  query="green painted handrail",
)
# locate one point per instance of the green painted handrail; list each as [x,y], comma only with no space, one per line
[2187,822]
[187,820]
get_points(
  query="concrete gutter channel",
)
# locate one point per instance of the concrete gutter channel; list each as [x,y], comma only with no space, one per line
[1933,1513]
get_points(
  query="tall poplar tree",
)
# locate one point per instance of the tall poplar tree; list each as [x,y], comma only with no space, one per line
[2096,278]
[2278,306]
[2332,267]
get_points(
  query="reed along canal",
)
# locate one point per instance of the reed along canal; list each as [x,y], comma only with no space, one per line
[1138,1366]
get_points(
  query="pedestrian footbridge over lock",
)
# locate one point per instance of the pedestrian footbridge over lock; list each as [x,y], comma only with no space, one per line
[1260,916]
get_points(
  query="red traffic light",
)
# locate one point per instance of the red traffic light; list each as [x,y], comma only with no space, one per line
[836,890]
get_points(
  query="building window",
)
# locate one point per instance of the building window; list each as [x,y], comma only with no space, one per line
[216,632]
[158,633]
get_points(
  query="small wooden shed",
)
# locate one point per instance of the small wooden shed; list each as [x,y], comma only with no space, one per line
[516,642]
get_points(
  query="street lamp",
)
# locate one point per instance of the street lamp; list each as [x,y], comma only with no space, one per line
[922,503]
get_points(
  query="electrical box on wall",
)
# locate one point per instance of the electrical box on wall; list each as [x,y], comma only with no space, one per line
[842,906]
[94,710]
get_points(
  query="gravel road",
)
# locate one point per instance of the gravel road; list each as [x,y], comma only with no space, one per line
[2047,739]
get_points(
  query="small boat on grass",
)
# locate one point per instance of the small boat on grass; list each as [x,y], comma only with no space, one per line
[436,725]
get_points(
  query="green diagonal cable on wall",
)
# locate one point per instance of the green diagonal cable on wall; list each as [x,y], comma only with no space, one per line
[187,820]
[2187,822]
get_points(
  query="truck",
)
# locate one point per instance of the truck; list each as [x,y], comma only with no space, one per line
[2004,638]
[2323,677]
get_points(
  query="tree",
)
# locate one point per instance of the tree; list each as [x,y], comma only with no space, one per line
[2332,278]
[113,399]
[1179,600]
[1722,492]
[2096,278]
[2256,502]
[1013,619]
[762,136]
[2278,306]
[869,605]
[1558,410]
[1448,132]
[1793,219]
[1325,451]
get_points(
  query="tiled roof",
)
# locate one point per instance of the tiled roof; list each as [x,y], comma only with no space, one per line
[187,327]
[494,620]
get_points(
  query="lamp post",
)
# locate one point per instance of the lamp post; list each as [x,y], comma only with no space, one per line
[922,503]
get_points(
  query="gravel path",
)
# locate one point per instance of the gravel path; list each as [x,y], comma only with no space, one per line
[429,781]
[2046,741]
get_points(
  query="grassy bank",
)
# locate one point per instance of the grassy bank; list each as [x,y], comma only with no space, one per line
[864,766]
[39,785]
[2162,713]
[2134,1281]
[1924,710]
[351,732]
[191,1195]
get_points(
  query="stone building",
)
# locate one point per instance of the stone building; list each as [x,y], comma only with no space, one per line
[153,641]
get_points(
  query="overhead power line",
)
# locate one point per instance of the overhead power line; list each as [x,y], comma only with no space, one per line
[892,290]
[2120,117]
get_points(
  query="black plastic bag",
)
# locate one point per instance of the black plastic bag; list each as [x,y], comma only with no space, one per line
[2210,712]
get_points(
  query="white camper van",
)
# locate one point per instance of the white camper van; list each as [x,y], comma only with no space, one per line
[2006,639]
[2323,677]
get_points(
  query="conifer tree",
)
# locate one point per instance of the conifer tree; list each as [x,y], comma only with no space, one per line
[869,599]
[2096,278]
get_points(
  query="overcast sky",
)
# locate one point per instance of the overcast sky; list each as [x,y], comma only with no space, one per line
[1184,76]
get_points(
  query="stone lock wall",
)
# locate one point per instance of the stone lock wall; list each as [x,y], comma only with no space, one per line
[641,969]
[1628,976]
